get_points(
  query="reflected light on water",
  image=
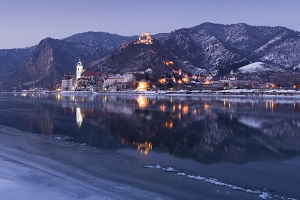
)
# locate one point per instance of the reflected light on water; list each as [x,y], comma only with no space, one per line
[206,106]
[195,111]
[143,148]
[173,108]
[169,124]
[179,106]
[185,110]
[142,101]
[162,107]
[79,117]
[58,97]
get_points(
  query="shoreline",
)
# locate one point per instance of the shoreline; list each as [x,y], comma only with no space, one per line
[226,93]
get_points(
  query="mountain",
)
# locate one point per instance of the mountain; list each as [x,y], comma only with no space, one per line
[211,46]
[48,61]
[205,47]
[11,58]
[103,43]
[215,46]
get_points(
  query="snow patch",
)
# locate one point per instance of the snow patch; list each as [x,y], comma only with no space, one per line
[251,122]
[254,67]
[265,195]
[261,194]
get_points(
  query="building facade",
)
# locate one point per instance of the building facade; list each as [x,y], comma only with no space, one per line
[117,78]
[68,84]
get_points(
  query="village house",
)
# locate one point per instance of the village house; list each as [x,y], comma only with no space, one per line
[119,79]
[68,82]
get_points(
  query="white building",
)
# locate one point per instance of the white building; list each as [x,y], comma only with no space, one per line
[223,80]
[68,84]
[233,76]
[117,78]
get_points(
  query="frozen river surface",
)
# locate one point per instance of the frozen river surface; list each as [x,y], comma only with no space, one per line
[124,147]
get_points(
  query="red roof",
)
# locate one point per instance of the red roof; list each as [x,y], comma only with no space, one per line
[89,73]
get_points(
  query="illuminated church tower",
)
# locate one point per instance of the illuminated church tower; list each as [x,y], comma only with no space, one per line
[79,70]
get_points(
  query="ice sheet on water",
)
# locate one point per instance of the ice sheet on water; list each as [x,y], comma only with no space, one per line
[261,194]
[62,137]
[265,195]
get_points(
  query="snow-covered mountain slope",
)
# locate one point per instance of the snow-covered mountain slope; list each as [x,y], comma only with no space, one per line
[254,67]
[207,46]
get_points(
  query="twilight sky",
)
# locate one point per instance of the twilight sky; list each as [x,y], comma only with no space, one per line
[25,22]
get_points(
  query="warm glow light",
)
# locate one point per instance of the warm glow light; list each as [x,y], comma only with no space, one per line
[162,81]
[195,111]
[173,108]
[142,101]
[168,63]
[162,107]
[124,45]
[169,124]
[179,107]
[179,82]
[272,105]
[145,38]
[143,148]
[185,110]
[206,106]
[185,79]
[142,86]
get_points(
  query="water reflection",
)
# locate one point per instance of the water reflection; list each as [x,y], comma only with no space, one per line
[79,117]
[207,129]
[142,101]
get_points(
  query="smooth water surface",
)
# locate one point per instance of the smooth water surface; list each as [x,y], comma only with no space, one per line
[247,142]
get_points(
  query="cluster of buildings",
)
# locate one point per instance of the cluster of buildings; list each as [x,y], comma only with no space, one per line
[96,81]
[144,38]
[93,80]
[82,80]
